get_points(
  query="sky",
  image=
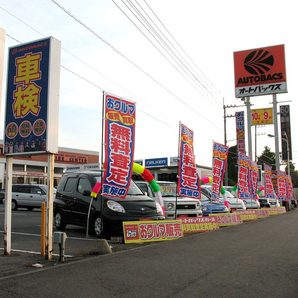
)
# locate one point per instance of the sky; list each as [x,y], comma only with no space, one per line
[105,48]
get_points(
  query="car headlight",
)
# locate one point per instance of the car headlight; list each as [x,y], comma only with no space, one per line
[158,208]
[204,208]
[114,206]
[199,206]
[170,206]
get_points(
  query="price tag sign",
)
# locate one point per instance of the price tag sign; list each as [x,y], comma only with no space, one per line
[262,116]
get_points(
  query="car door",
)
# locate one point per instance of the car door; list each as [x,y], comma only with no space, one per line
[38,196]
[22,195]
[81,203]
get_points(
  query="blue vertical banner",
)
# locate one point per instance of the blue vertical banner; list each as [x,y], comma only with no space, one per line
[243,177]
[220,157]
[240,132]
[32,98]
[189,180]
[120,118]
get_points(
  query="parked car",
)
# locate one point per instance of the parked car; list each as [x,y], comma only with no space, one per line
[2,195]
[212,207]
[72,202]
[234,203]
[264,202]
[274,203]
[252,204]
[186,207]
[29,196]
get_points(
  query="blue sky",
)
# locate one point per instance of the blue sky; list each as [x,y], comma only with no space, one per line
[103,50]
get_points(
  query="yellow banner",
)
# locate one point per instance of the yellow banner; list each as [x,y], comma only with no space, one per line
[148,231]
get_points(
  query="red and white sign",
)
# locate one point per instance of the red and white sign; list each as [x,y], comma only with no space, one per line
[260,71]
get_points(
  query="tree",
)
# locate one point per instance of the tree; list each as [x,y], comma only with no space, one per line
[232,166]
[267,157]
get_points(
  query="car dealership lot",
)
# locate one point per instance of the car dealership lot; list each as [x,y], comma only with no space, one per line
[247,260]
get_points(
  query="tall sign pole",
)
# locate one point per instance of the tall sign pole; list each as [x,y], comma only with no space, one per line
[277,164]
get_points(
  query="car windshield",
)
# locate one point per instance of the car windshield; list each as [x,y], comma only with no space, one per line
[45,188]
[134,189]
[205,198]
[167,189]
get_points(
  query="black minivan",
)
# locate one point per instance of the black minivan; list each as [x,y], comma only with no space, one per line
[73,204]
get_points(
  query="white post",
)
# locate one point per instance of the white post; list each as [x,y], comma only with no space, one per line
[276,132]
[7,217]
[49,228]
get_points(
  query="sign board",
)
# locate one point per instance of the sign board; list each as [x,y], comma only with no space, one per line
[148,231]
[285,127]
[156,162]
[262,116]
[32,98]
[260,71]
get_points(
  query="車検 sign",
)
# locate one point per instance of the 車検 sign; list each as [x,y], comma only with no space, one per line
[32,98]
[260,71]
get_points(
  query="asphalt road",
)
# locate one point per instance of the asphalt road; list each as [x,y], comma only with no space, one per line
[254,259]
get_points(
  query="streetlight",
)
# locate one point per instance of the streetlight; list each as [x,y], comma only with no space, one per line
[288,153]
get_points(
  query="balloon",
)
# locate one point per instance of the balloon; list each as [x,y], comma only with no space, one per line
[148,177]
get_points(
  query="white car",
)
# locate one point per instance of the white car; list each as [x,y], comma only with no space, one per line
[252,204]
[186,207]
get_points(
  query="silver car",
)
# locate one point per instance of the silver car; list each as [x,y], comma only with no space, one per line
[187,207]
[29,196]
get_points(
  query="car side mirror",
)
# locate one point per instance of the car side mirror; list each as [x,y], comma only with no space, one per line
[87,193]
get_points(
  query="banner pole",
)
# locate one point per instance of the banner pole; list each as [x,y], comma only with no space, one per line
[179,139]
[102,157]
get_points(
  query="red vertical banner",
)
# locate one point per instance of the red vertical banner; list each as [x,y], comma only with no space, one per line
[254,178]
[243,177]
[189,180]
[281,185]
[240,133]
[269,190]
[289,184]
[120,118]
[220,156]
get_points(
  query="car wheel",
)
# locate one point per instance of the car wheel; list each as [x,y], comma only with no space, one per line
[14,205]
[30,208]
[97,227]
[59,222]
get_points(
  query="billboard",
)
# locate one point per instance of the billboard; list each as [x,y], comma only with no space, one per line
[260,71]
[262,116]
[285,127]
[240,132]
[32,98]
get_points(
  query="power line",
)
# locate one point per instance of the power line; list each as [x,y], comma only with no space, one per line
[118,52]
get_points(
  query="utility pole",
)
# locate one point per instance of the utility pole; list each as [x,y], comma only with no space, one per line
[225,131]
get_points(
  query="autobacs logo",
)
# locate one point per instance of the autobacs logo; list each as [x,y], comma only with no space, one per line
[259,63]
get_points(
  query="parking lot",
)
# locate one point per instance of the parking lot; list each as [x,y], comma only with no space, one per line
[254,259]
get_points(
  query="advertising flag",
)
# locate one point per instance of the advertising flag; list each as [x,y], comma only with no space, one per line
[254,178]
[189,180]
[281,185]
[119,146]
[289,184]
[240,135]
[269,190]
[220,156]
[243,177]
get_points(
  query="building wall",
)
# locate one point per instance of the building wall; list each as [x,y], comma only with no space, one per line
[33,169]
